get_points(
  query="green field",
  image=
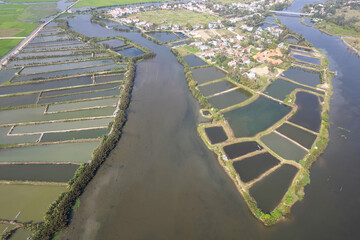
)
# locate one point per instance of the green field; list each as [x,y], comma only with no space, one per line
[29,1]
[101,3]
[32,200]
[180,17]
[7,44]
[13,17]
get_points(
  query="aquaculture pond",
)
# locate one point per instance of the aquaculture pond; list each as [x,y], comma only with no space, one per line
[252,167]
[61,126]
[72,135]
[37,114]
[37,172]
[256,117]
[112,43]
[88,95]
[297,134]
[306,59]
[304,76]
[7,74]
[4,139]
[228,99]
[163,36]
[194,61]
[217,87]
[21,234]
[37,44]
[236,150]
[181,35]
[52,60]
[269,191]
[79,89]
[301,48]
[216,134]
[203,75]
[108,78]
[27,202]
[178,43]
[280,89]
[46,85]
[82,105]
[309,110]
[18,100]
[284,147]
[63,66]
[76,71]
[131,52]
[79,152]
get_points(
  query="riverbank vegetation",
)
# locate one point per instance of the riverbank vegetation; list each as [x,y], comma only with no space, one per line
[338,17]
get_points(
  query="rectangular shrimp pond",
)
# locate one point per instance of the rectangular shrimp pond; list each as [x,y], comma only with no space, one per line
[27,202]
[269,191]
[213,88]
[253,167]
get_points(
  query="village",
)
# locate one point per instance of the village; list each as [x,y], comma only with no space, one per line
[251,42]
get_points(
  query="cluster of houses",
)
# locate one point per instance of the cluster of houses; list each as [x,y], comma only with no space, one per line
[269,56]
[241,54]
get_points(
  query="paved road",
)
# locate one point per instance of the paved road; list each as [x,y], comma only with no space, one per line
[16,49]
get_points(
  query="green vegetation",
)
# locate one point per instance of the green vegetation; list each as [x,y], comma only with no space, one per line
[97,3]
[7,44]
[31,200]
[191,82]
[179,17]
[10,21]
[333,29]
[187,50]
[29,1]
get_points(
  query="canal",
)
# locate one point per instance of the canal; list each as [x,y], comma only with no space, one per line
[161,182]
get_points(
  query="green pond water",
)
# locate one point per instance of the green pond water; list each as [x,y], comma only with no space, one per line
[83,104]
[83,134]
[279,89]
[80,89]
[65,152]
[213,88]
[203,75]
[37,114]
[31,200]
[304,76]
[60,126]
[38,172]
[230,98]
[256,116]
[299,135]
[4,139]
[88,95]
[283,147]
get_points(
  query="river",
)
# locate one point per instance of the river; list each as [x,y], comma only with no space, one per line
[161,182]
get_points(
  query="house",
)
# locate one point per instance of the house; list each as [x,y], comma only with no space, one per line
[209,53]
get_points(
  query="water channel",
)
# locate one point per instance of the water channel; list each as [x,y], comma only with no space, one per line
[161,182]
